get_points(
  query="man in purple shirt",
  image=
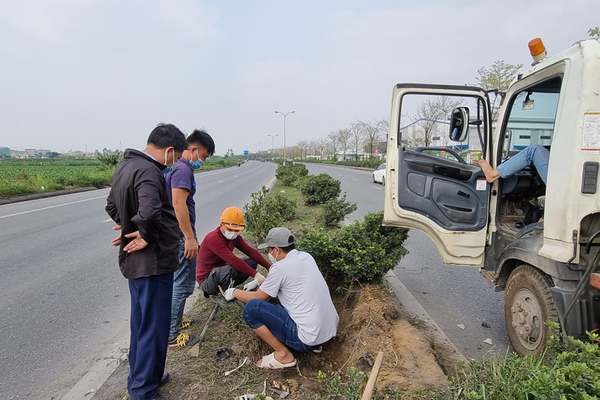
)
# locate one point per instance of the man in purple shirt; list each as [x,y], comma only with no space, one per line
[181,187]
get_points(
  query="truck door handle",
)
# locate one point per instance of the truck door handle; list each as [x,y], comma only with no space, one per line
[463,194]
[457,208]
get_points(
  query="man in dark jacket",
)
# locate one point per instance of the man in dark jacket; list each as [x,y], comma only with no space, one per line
[139,204]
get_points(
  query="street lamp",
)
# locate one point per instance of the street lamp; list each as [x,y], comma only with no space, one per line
[272,142]
[284,115]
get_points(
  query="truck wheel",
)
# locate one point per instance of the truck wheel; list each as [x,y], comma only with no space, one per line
[528,305]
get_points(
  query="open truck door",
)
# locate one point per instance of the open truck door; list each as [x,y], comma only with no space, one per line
[436,133]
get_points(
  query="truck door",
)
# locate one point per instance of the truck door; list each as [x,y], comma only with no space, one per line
[436,134]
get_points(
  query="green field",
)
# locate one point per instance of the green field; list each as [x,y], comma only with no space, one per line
[19,177]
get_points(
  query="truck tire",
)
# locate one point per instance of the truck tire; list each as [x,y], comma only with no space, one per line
[528,305]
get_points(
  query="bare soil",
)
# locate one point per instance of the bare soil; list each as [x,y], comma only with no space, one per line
[370,321]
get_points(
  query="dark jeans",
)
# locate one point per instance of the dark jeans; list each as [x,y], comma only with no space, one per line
[184,281]
[222,276]
[150,318]
[258,313]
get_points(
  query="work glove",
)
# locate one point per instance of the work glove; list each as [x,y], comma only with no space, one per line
[259,278]
[252,285]
[228,294]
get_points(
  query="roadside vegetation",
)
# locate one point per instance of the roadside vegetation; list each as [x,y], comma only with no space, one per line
[568,370]
[370,320]
[19,177]
[372,162]
[27,176]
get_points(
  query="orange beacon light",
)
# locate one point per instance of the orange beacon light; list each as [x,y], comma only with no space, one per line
[537,50]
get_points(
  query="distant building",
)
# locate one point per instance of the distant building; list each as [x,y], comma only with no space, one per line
[17,154]
[4,152]
[30,153]
[37,153]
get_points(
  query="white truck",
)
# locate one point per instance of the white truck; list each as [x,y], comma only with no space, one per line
[540,243]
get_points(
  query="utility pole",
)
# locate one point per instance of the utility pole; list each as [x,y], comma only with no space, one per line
[272,136]
[284,115]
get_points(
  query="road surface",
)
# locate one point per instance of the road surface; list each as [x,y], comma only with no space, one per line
[63,297]
[451,295]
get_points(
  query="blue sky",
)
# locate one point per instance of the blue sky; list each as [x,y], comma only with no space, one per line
[82,74]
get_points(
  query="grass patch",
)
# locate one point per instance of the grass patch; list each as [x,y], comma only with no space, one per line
[307,217]
[19,177]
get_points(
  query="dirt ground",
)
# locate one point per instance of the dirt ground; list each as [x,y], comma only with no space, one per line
[370,321]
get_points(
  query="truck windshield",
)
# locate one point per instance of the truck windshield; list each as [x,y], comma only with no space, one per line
[532,118]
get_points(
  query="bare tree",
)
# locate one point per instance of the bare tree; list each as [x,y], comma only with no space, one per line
[433,110]
[303,145]
[333,140]
[370,133]
[357,134]
[343,138]
[383,126]
[499,75]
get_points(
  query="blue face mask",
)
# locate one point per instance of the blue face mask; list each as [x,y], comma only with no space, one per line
[197,164]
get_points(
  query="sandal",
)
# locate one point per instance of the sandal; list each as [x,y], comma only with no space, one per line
[186,323]
[270,362]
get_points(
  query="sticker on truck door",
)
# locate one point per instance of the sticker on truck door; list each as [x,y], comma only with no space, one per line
[481,185]
[591,131]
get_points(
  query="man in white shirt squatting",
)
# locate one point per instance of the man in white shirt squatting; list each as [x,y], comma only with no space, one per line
[306,317]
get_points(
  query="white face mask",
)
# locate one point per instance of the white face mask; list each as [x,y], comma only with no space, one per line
[271,258]
[229,235]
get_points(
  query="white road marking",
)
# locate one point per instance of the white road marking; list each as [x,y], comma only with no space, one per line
[50,207]
[107,220]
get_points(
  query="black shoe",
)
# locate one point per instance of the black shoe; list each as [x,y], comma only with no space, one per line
[165,379]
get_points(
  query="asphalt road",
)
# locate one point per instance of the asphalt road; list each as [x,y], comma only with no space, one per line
[63,297]
[451,295]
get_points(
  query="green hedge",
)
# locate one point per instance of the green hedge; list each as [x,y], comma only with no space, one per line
[291,174]
[267,210]
[318,189]
[363,251]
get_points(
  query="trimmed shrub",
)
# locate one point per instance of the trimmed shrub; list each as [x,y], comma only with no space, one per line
[335,210]
[291,174]
[267,210]
[318,189]
[363,251]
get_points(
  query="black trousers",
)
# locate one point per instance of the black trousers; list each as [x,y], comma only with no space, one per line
[222,276]
[150,321]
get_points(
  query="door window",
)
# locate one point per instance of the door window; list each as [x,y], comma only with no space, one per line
[425,124]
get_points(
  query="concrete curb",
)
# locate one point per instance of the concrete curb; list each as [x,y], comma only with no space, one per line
[416,311]
[36,196]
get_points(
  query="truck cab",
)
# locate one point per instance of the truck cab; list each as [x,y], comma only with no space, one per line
[535,237]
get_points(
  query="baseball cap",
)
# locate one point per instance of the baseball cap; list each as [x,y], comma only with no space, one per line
[278,237]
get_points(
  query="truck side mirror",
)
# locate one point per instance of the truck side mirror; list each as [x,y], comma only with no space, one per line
[459,124]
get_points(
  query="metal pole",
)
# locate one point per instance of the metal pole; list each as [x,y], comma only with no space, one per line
[284,133]
[284,117]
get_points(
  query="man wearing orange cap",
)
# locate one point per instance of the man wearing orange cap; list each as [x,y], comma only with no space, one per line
[217,265]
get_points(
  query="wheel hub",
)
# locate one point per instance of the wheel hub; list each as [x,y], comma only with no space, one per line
[527,319]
